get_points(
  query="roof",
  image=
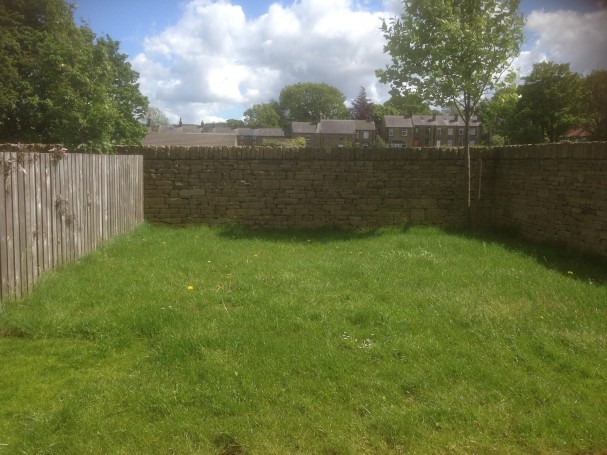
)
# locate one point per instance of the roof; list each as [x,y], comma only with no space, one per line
[194,139]
[303,127]
[269,132]
[364,125]
[577,133]
[244,131]
[328,126]
[397,121]
[223,130]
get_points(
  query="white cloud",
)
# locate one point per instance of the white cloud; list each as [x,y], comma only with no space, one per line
[215,60]
[566,37]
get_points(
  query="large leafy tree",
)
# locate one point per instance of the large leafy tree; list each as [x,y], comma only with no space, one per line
[407,103]
[551,102]
[452,51]
[309,102]
[498,112]
[156,117]
[596,91]
[362,107]
[264,115]
[60,83]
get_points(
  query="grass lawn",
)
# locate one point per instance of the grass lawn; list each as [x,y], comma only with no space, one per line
[223,341]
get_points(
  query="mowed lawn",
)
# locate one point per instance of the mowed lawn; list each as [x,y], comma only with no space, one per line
[224,341]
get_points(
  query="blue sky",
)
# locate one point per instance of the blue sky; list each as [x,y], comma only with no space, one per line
[211,59]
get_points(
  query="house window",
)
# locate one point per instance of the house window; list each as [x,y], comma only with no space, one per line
[357,134]
[405,132]
[390,132]
[428,130]
[365,145]
[449,131]
[472,142]
[365,135]
[461,131]
[308,138]
[472,131]
[417,130]
[254,140]
[438,131]
[438,142]
[449,143]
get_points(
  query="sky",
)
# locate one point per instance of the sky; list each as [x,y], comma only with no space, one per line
[210,60]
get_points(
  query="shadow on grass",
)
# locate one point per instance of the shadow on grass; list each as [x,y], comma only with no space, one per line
[303,235]
[587,267]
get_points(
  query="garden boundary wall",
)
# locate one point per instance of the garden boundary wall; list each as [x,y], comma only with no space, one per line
[551,192]
[57,207]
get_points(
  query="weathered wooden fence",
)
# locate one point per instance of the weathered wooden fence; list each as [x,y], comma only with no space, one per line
[57,207]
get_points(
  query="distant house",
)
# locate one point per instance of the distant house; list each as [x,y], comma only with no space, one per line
[309,131]
[577,134]
[428,131]
[335,133]
[250,136]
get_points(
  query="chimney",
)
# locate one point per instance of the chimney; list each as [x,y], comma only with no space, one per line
[434,117]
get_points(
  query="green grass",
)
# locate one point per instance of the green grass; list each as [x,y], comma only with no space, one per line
[387,341]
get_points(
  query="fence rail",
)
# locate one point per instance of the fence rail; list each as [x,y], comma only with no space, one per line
[55,208]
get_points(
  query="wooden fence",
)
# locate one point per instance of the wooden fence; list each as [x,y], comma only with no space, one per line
[57,207]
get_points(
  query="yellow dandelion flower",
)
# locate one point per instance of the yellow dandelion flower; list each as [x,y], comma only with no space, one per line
[190,288]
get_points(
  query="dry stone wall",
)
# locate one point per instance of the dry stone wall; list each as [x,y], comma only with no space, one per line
[554,192]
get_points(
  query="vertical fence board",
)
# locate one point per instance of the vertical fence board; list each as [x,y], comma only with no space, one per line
[15,191]
[4,280]
[10,234]
[54,210]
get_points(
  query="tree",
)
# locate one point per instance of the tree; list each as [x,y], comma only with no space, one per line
[550,103]
[156,117]
[407,103]
[381,110]
[309,102]
[263,115]
[452,51]
[234,123]
[596,92]
[362,107]
[60,83]
[497,113]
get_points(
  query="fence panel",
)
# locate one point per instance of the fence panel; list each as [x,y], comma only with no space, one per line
[57,208]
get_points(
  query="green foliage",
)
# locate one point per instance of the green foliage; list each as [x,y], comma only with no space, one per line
[551,102]
[157,118]
[298,142]
[309,102]
[383,341]
[263,115]
[63,84]
[407,103]
[595,85]
[234,123]
[362,107]
[497,114]
[452,51]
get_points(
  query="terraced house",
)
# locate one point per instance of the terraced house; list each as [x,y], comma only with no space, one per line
[336,133]
[427,130]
